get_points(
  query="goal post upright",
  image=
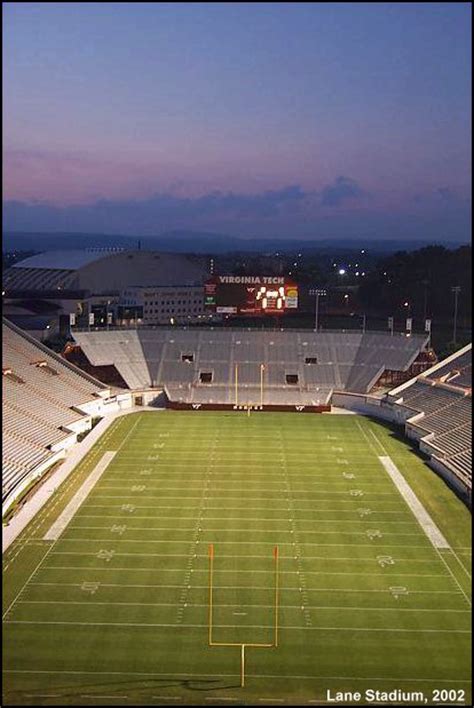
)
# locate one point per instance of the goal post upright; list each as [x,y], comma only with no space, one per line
[242,666]
[211,563]
[277,589]
[242,645]
[236,385]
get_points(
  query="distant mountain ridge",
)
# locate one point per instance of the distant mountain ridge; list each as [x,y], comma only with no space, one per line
[200,242]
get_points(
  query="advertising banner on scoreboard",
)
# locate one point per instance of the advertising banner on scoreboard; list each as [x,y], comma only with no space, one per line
[250,294]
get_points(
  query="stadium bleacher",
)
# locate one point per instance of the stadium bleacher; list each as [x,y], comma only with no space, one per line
[331,360]
[42,395]
[457,371]
[441,402]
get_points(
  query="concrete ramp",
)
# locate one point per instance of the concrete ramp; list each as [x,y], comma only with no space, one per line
[422,516]
[82,493]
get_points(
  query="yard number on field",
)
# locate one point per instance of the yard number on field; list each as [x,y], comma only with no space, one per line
[385,560]
[90,587]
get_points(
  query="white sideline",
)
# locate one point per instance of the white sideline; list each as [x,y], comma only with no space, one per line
[55,531]
[422,516]
[74,457]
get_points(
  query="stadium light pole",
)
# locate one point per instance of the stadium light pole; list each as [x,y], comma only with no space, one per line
[262,369]
[318,292]
[456,289]
[390,324]
[425,284]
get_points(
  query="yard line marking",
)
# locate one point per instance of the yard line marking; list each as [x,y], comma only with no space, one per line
[242,614]
[55,531]
[236,543]
[454,577]
[88,695]
[168,698]
[258,587]
[255,508]
[282,572]
[247,555]
[357,520]
[260,676]
[236,626]
[71,479]
[74,527]
[437,545]
[54,542]
[220,698]
[242,486]
[460,563]
[27,581]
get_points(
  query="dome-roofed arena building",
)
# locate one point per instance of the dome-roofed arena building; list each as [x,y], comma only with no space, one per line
[58,284]
[98,271]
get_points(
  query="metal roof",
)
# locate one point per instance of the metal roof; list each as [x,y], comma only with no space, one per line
[66,260]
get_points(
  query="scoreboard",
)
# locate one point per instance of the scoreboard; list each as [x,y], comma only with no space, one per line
[250,294]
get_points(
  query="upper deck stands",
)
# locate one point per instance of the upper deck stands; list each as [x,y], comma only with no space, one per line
[342,360]
[446,411]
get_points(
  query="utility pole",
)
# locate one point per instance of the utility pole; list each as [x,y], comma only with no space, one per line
[318,292]
[456,289]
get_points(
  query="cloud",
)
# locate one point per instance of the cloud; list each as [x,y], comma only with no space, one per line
[342,189]
[161,211]
[340,209]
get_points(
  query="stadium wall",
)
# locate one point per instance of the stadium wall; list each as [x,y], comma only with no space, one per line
[102,408]
[451,479]
[31,477]
[68,461]
[180,406]
[365,405]
[408,418]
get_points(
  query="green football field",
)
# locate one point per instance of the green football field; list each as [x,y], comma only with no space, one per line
[116,611]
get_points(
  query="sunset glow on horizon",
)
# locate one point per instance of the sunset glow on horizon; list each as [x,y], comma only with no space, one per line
[291,118]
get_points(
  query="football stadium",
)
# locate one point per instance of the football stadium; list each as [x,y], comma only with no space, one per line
[223,516]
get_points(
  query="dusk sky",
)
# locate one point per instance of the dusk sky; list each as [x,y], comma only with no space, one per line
[267,120]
